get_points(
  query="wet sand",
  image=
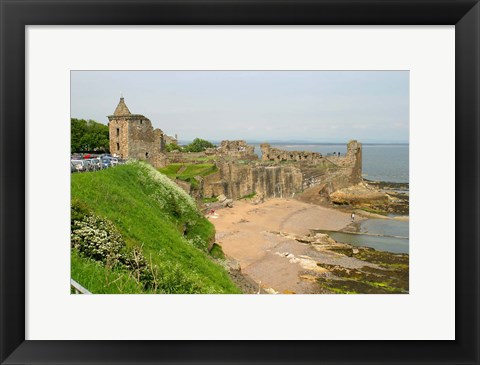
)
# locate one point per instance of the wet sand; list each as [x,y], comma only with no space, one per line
[251,235]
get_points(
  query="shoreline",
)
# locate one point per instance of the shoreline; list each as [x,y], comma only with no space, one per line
[272,245]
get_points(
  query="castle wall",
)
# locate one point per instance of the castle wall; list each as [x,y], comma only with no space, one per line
[277,155]
[170,140]
[237,180]
[233,149]
[321,175]
[118,133]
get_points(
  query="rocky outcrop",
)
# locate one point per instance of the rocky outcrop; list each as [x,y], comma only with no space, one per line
[372,200]
[359,194]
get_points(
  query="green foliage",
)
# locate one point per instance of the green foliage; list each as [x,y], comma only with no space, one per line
[99,279]
[98,239]
[188,172]
[198,145]
[202,169]
[248,196]
[194,158]
[150,212]
[217,252]
[79,211]
[88,136]
[173,147]
[171,170]
[210,200]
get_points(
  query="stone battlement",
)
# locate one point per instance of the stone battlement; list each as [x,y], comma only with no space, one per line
[236,149]
[277,155]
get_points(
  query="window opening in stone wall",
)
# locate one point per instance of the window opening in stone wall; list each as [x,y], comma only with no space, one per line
[118,132]
[146,154]
[141,122]
[118,146]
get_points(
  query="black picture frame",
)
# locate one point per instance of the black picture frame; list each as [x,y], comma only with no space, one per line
[16,14]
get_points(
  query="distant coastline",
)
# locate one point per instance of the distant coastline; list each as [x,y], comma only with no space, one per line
[301,143]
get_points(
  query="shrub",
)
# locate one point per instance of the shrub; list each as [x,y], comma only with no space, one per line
[98,239]
[198,145]
[173,147]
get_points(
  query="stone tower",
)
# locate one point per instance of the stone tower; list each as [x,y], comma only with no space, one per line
[133,136]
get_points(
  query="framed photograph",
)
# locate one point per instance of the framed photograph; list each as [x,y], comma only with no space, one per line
[321,159]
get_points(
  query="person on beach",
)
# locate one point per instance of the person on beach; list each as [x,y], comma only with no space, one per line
[353,216]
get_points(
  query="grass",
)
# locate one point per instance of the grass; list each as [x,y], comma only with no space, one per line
[171,170]
[210,200]
[217,252]
[201,159]
[151,212]
[248,196]
[188,172]
[99,279]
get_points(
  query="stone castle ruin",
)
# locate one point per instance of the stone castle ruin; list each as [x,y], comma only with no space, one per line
[133,136]
[233,149]
[276,155]
[279,173]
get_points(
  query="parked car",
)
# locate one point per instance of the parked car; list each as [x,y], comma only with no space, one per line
[88,165]
[106,162]
[72,167]
[96,164]
[80,167]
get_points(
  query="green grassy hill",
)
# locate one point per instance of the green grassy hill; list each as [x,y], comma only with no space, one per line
[188,172]
[135,231]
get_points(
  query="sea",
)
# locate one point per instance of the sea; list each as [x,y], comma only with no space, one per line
[380,162]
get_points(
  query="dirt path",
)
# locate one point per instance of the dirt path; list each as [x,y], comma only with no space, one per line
[249,234]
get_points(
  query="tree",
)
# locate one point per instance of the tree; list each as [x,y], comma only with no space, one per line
[198,145]
[88,136]
[172,147]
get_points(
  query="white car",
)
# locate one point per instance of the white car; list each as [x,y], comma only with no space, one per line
[79,165]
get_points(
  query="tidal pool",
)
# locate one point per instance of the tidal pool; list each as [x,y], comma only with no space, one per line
[380,234]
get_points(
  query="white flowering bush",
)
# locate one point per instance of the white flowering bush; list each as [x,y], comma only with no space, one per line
[197,241]
[98,239]
[164,191]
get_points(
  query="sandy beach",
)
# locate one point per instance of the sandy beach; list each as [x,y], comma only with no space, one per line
[261,238]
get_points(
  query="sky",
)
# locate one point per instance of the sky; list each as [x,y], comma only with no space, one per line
[260,106]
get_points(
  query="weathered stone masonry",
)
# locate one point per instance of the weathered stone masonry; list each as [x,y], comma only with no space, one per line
[133,136]
[299,172]
[276,155]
